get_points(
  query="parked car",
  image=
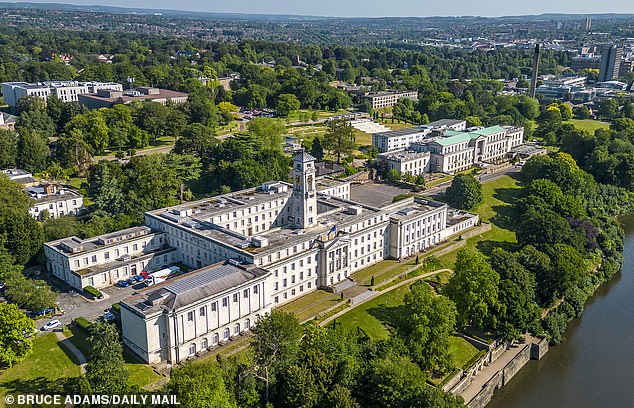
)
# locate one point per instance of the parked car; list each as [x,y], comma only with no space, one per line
[123,284]
[51,325]
[131,280]
[44,311]
[138,278]
[107,316]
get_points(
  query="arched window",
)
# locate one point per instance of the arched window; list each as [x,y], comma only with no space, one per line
[236,329]
[226,334]
[203,344]
[192,349]
[247,324]
[216,339]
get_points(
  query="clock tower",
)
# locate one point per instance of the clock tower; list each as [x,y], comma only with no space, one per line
[304,198]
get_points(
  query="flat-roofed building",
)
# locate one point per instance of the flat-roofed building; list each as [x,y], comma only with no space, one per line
[407,161]
[401,139]
[107,98]
[103,260]
[66,91]
[387,99]
[174,320]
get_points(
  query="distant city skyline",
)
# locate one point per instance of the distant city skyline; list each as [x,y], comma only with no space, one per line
[359,8]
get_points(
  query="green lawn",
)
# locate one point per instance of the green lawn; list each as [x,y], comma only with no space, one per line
[461,350]
[496,208]
[374,314]
[366,274]
[317,297]
[48,362]
[588,124]
[139,374]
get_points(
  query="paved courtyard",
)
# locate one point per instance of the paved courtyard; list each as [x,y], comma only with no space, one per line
[376,194]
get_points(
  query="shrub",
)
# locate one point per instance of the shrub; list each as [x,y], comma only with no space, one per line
[92,291]
[84,324]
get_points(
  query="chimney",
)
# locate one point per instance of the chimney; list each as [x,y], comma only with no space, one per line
[49,189]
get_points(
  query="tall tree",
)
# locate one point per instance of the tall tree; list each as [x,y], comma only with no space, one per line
[473,289]
[105,370]
[465,192]
[200,385]
[8,148]
[428,323]
[15,326]
[339,139]
[275,344]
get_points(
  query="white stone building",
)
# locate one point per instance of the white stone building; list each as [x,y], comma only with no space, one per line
[176,319]
[289,238]
[407,161]
[402,139]
[102,261]
[55,200]
[66,91]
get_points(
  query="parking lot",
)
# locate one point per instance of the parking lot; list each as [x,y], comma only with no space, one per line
[76,305]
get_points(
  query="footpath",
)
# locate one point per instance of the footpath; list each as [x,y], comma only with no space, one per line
[67,344]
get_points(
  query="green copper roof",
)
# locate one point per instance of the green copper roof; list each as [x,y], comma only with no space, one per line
[489,131]
[452,140]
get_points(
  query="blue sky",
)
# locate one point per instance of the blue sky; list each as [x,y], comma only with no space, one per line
[351,8]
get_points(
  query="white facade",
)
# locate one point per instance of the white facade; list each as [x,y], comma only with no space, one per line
[66,91]
[102,261]
[402,139]
[54,200]
[388,99]
[407,162]
[177,319]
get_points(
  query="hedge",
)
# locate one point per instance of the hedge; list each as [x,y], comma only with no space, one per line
[84,324]
[92,291]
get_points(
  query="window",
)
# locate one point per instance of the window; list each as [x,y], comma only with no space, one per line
[190,316]
[214,306]
[106,255]
[224,302]
[202,313]
[245,293]
[203,344]
[255,289]
[235,297]
[236,328]
[76,263]
[276,286]
[225,334]
[94,258]
[192,349]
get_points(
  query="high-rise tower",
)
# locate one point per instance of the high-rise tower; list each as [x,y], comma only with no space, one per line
[304,198]
[535,71]
[610,62]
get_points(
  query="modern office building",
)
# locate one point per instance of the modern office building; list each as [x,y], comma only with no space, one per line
[106,98]
[66,91]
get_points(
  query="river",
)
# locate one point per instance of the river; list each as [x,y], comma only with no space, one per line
[594,367]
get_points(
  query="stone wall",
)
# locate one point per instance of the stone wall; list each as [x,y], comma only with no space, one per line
[484,396]
[516,364]
[539,349]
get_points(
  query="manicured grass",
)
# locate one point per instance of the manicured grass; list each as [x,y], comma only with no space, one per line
[139,374]
[362,138]
[374,314]
[461,350]
[588,124]
[48,362]
[496,208]
[366,274]
[317,297]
